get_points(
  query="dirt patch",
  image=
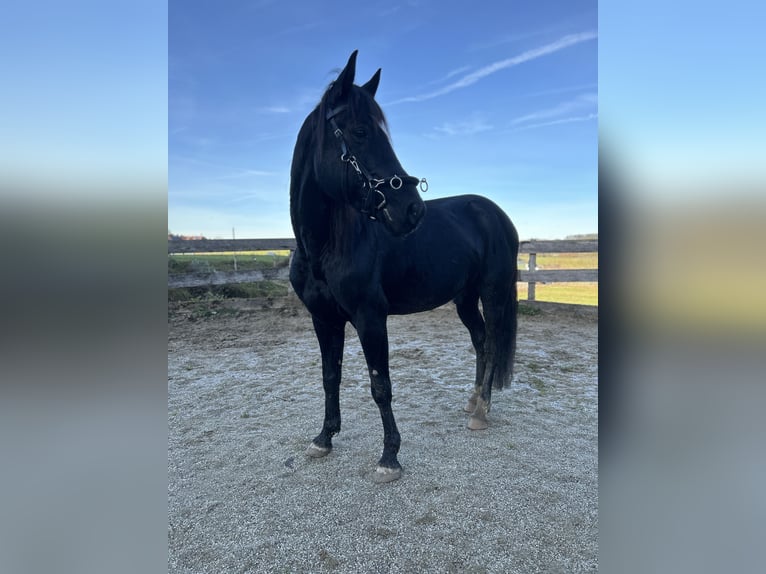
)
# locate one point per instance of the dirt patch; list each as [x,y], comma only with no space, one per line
[245,398]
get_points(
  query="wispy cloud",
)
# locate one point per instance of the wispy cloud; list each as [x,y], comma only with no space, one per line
[468,127]
[578,104]
[508,39]
[274,110]
[493,68]
[217,171]
[238,173]
[560,90]
[567,120]
[450,74]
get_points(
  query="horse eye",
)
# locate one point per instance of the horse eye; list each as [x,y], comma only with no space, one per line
[360,132]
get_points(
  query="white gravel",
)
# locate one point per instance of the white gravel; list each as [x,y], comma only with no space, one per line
[245,399]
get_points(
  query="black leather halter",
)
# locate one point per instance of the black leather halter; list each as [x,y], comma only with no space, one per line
[374,198]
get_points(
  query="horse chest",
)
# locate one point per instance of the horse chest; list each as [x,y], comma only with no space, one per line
[351,279]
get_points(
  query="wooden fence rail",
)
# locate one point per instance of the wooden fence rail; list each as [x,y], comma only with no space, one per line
[531,276]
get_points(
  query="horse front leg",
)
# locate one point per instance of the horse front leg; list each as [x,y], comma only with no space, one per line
[374,339]
[331,337]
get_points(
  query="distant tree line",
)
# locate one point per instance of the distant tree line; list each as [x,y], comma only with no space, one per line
[173,236]
[583,236]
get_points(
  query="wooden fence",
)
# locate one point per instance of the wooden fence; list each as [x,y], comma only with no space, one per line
[530,276]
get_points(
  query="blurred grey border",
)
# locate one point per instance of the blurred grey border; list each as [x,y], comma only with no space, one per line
[682,276]
[83,337]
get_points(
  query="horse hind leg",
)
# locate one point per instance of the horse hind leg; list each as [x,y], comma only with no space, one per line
[468,311]
[480,401]
[499,348]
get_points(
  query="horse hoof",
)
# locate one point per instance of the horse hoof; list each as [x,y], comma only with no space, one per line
[315,451]
[475,423]
[384,474]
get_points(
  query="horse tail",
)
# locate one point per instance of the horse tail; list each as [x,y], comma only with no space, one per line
[502,298]
[505,336]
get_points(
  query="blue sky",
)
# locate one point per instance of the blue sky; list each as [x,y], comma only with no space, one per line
[500,100]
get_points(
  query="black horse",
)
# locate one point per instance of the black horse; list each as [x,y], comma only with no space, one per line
[369,247]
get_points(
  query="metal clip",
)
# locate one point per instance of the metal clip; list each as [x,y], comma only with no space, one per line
[423,184]
[382,203]
[396,178]
[352,160]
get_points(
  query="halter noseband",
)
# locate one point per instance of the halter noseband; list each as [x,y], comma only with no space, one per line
[369,183]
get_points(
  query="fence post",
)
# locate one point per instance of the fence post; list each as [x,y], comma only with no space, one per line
[290,290]
[532,266]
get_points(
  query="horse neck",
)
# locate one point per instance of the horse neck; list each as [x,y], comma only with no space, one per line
[347,231]
[324,226]
[310,215]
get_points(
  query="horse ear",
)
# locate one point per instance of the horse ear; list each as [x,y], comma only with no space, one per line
[345,80]
[372,86]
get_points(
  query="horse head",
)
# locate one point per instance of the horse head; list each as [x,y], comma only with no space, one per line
[354,162]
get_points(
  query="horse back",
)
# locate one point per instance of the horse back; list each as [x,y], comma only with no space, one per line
[461,241]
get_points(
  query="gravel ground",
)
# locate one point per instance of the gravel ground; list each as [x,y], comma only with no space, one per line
[245,399]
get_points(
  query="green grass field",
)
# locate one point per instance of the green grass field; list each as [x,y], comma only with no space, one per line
[220,262]
[577,293]
[563,260]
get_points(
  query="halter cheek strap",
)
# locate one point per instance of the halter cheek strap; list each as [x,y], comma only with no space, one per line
[375,199]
